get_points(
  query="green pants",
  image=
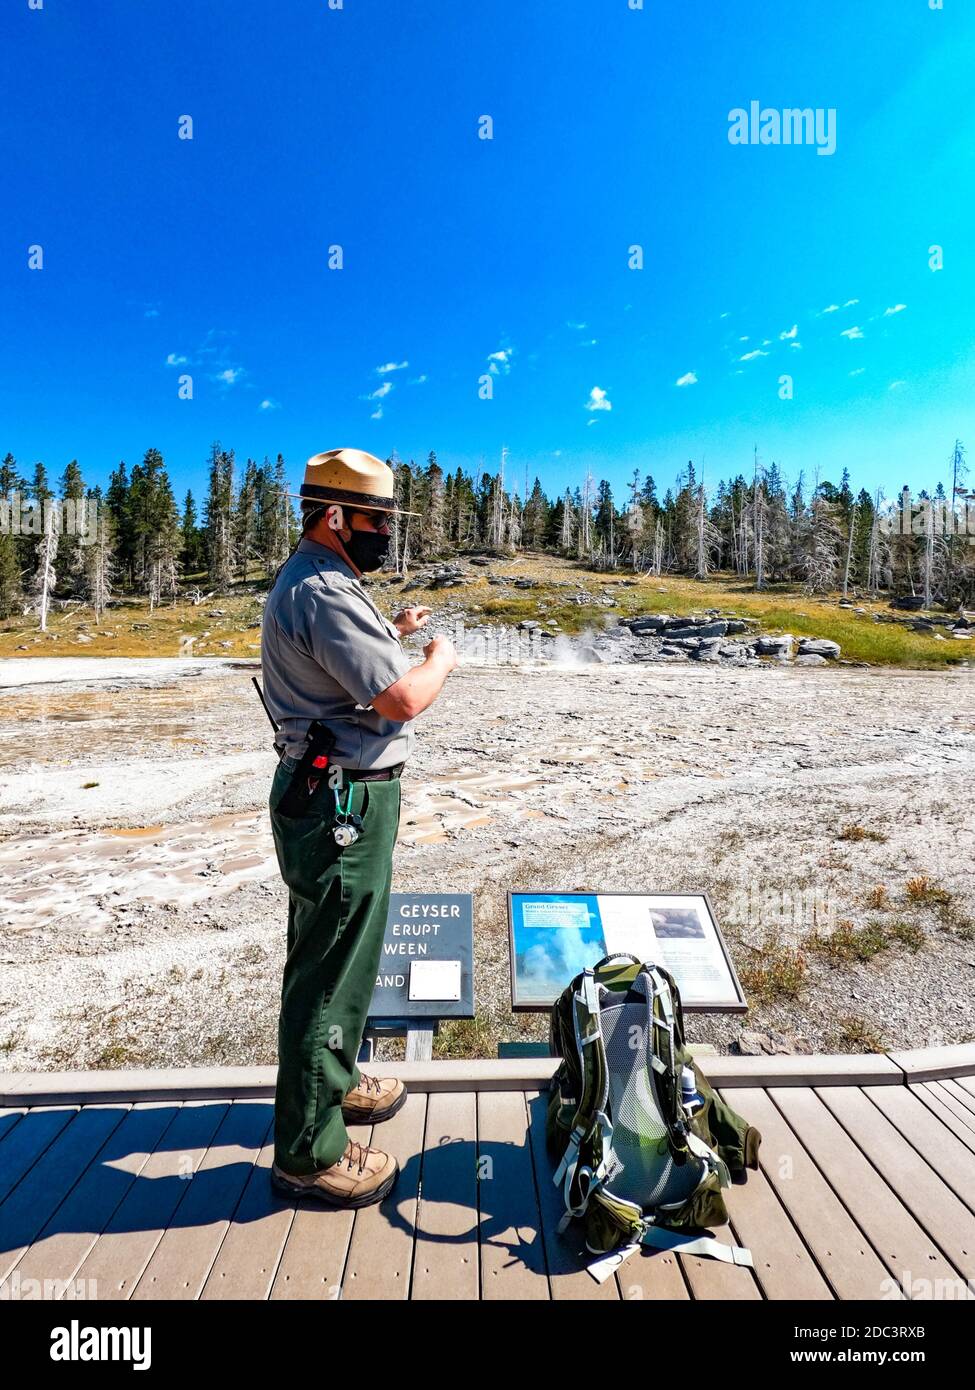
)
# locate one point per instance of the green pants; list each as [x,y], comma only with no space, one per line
[339,900]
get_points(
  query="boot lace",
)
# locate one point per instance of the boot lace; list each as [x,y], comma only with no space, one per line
[369,1082]
[357,1154]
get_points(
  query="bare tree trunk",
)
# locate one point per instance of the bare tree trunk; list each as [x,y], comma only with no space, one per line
[849,550]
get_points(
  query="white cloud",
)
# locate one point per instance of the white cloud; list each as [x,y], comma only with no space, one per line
[377,414]
[268,405]
[500,361]
[557,453]
[598,400]
[852,333]
[152,313]
[850,303]
[391,367]
[750,356]
[896,385]
[795,345]
[229,376]
[419,380]
[577,325]
[722,316]
[792,333]
[688,379]
[591,343]
[380,391]
[895,309]
[176,359]
[830,309]
[858,371]
[744,340]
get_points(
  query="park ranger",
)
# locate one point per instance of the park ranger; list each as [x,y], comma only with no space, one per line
[343,696]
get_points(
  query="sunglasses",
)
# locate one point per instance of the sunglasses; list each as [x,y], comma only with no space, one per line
[378,519]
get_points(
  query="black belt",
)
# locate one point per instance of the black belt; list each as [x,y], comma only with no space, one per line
[358,774]
[382,774]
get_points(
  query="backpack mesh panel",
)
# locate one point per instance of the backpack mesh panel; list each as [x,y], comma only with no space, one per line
[649,1175]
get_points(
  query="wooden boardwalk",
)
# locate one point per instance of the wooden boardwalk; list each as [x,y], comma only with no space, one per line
[155,1186]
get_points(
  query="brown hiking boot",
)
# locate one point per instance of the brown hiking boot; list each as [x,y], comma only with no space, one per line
[373,1101]
[361,1176]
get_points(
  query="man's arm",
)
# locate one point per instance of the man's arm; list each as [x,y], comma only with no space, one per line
[417,690]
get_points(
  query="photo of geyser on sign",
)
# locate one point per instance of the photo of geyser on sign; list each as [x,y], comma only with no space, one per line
[554,936]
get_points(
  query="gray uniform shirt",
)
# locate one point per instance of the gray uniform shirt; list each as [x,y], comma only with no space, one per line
[326,652]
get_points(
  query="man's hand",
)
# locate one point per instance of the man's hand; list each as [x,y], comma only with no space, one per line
[411,620]
[441,649]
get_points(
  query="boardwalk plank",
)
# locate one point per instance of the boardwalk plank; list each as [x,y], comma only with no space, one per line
[445,1264]
[8,1118]
[565,1255]
[121,1253]
[964,1098]
[380,1260]
[59,1249]
[784,1267]
[512,1257]
[896,1236]
[943,1104]
[949,1155]
[922,1189]
[184,1256]
[24,1143]
[838,1246]
[39,1194]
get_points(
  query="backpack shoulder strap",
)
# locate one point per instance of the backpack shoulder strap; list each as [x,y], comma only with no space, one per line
[585,1163]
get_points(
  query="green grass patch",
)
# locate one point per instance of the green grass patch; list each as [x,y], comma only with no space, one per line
[855,833]
[464,1038]
[777,972]
[855,1034]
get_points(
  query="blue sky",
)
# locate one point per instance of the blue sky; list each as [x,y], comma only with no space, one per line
[359,127]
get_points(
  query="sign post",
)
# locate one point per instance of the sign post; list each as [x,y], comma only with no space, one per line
[426,971]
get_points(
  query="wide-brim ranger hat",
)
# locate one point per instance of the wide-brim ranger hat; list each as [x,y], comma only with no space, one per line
[352,478]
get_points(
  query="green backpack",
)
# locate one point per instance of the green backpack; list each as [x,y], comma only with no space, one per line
[643,1144]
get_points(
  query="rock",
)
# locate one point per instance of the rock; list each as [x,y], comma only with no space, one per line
[736,625]
[733,650]
[811,659]
[82,637]
[913,603]
[526,583]
[702,630]
[222,612]
[528,625]
[752,1043]
[774,646]
[651,622]
[707,650]
[478,560]
[818,646]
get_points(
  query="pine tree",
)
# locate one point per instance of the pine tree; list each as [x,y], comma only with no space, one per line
[70,545]
[192,556]
[11,569]
[434,506]
[97,558]
[218,523]
[245,519]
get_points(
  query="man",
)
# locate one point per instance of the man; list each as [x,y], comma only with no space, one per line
[328,655]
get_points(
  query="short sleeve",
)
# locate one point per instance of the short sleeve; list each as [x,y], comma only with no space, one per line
[349,640]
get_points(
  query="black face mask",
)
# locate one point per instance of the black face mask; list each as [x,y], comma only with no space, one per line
[367,550]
